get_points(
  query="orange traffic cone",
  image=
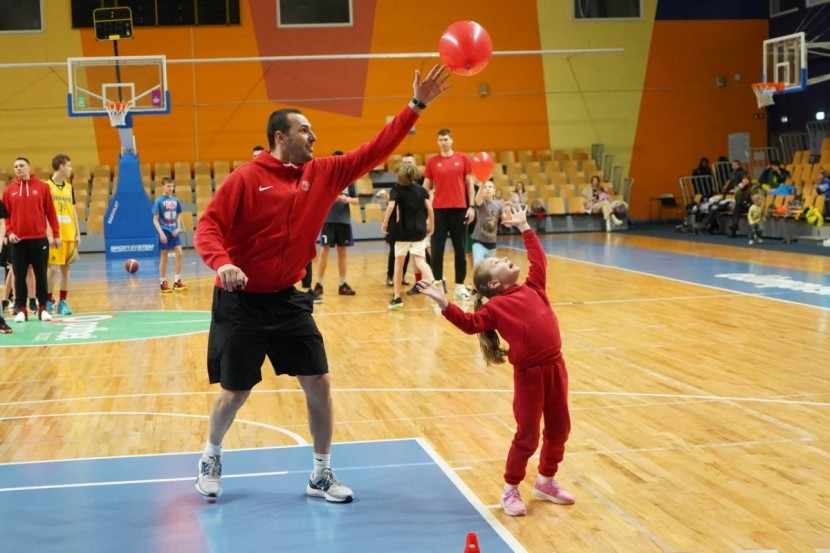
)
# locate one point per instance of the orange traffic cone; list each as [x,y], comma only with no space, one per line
[472,544]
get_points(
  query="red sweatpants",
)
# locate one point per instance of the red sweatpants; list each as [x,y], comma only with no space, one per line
[540,390]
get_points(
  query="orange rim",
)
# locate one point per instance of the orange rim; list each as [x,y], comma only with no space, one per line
[777,87]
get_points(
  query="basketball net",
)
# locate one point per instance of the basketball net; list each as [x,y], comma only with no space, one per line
[118,113]
[764,92]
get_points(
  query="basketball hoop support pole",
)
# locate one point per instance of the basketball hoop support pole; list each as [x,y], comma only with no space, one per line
[125,133]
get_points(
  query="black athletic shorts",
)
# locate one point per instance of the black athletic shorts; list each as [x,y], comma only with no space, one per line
[337,234]
[247,326]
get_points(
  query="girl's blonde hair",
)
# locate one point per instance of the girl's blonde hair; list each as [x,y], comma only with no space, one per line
[407,174]
[488,340]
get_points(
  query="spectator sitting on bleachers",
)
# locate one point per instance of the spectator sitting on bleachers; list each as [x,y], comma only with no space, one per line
[498,197]
[735,177]
[703,168]
[823,188]
[773,175]
[600,202]
[519,196]
[741,203]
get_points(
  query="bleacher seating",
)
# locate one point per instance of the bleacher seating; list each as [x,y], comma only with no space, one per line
[201,168]
[103,171]
[373,212]
[553,176]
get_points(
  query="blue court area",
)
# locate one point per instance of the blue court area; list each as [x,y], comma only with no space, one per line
[407,499]
[804,287]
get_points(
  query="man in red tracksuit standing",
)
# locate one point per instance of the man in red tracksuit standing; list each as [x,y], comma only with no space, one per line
[29,204]
[258,232]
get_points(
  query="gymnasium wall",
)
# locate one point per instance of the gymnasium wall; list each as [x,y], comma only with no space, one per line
[219,110]
[655,105]
[684,114]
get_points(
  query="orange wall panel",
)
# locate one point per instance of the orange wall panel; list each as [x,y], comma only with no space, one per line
[684,115]
[219,109]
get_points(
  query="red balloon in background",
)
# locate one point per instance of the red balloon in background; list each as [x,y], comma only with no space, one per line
[482,166]
[465,48]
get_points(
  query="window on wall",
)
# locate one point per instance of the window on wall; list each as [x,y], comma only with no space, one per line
[780,7]
[314,13]
[607,9]
[21,16]
[152,13]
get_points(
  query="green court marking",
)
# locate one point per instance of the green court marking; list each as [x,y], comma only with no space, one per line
[113,326]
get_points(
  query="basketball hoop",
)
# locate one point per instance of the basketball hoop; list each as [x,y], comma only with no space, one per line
[118,112]
[764,92]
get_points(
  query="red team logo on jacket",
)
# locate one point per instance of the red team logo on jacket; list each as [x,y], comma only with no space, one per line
[305,185]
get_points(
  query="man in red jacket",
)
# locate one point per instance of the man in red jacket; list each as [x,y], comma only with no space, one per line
[29,205]
[258,232]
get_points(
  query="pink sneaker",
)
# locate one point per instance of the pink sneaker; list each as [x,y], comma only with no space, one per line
[512,504]
[552,492]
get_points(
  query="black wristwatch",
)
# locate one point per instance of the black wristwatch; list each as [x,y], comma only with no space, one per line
[418,103]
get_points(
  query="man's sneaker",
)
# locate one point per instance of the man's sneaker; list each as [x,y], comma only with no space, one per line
[164,288]
[63,308]
[33,305]
[209,483]
[389,282]
[751,242]
[413,291]
[50,305]
[42,314]
[317,292]
[552,492]
[5,329]
[461,293]
[21,316]
[314,297]
[327,485]
[345,290]
[511,502]
[396,303]
[760,240]
[179,286]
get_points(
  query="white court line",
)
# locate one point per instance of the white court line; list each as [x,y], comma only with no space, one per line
[191,478]
[672,279]
[134,482]
[296,437]
[482,509]
[140,455]
[627,450]
[698,396]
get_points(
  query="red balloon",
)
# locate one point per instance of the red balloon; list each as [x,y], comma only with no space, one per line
[482,166]
[465,48]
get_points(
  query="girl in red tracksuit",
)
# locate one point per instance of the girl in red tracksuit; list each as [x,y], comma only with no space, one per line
[522,315]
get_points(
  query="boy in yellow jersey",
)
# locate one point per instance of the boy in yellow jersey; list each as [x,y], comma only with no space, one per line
[62,257]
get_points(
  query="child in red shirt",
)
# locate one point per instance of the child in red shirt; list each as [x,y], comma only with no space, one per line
[522,315]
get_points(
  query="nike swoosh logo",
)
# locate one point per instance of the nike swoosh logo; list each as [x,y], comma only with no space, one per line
[263,188]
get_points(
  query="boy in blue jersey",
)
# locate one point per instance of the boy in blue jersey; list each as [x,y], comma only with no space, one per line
[166,218]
